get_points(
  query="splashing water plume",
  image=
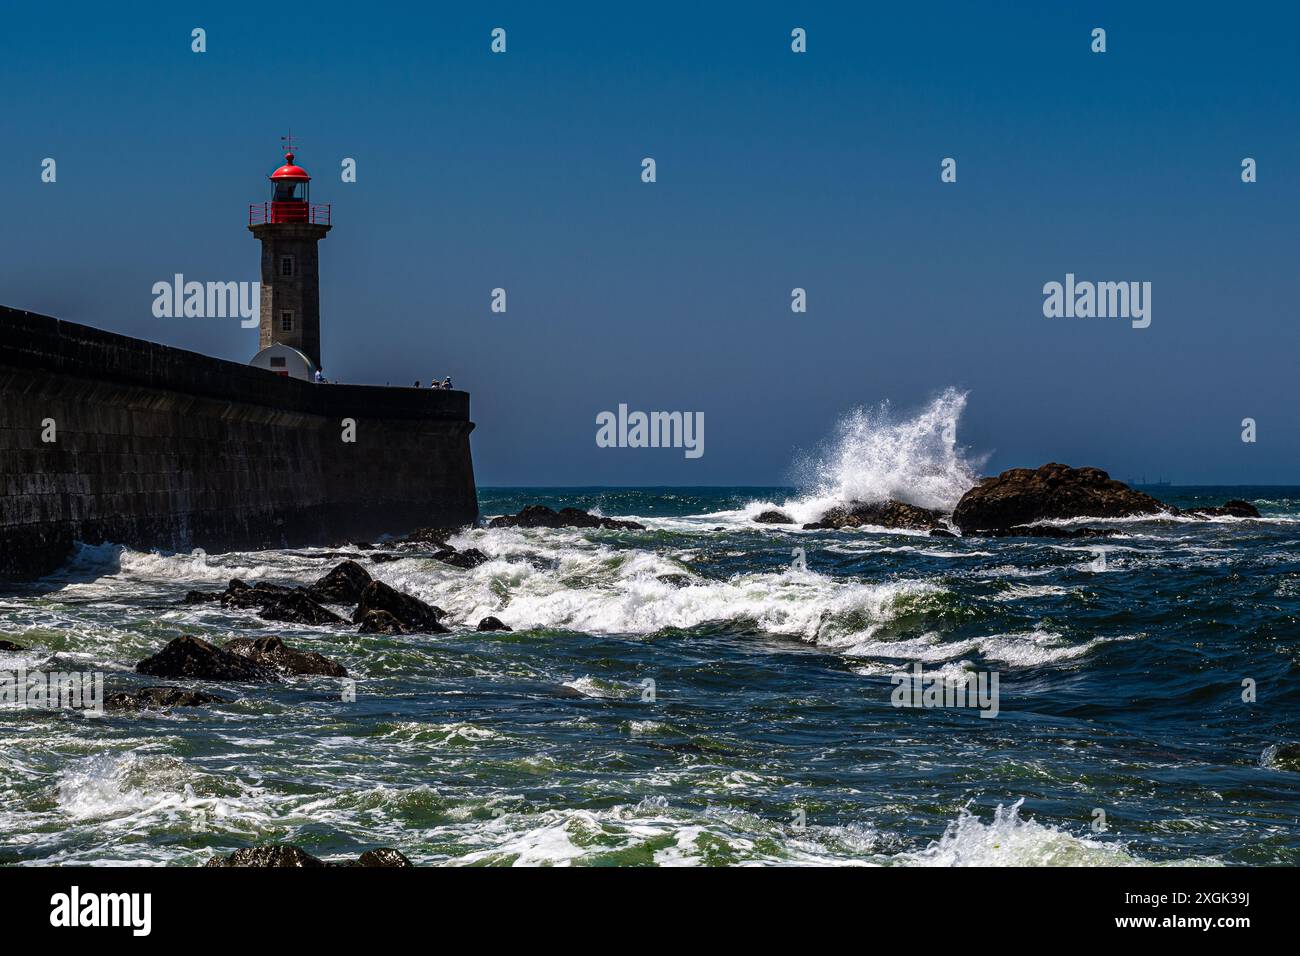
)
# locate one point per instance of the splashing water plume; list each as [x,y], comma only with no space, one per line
[876,456]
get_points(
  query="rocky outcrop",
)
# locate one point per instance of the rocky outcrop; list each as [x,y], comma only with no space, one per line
[772,516]
[192,658]
[159,698]
[493,624]
[436,536]
[411,612]
[1287,757]
[1230,509]
[277,602]
[540,516]
[288,856]
[11,646]
[469,558]
[240,594]
[296,607]
[343,585]
[272,652]
[888,514]
[381,622]
[1022,496]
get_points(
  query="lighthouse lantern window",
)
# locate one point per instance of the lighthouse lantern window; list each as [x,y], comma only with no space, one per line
[287,190]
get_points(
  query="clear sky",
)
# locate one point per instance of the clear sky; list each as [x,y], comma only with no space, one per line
[775,170]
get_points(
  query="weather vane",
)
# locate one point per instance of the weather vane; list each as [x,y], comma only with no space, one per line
[289,146]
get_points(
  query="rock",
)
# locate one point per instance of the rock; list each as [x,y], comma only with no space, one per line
[191,658]
[202,597]
[379,557]
[242,595]
[159,698]
[286,855]
[277,855]
[540,516]
[1287,757]
[888,514]
[436,536]
[272,652]
[381,622]
[297,608]
[772,516]
[383,856]
[413,613]
[1230,509]
[11,646]
[469,558]
[493,624]
[343,585]
[363,545]
[1022,496]
[942,533]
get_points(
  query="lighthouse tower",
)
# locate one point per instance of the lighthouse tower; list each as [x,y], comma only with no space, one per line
[289,227]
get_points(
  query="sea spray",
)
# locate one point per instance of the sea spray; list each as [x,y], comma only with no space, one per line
[877,455]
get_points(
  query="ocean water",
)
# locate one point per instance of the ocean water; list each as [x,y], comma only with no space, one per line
[771,737]
[708,691]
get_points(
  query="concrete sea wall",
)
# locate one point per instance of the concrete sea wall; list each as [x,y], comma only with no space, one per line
[156,447]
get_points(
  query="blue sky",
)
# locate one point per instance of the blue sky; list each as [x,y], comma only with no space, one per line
[775,170]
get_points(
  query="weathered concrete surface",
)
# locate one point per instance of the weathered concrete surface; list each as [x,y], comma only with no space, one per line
[162,448]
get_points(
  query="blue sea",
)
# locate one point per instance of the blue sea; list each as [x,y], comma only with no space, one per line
[708,691]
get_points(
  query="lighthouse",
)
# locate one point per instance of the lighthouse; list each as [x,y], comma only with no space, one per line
[289,227]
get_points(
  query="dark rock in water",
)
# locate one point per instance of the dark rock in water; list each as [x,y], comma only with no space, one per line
[381,622]
[888,514]
[1022,496]
[383,856]
[202,597]
[191,658]
[493,624]
[159,698]
[540,516]
[286,855]
[942,533]
[343,585]
[363,545]
[242,595]
[413,613]
[1230,509]
[296,607]
[772,516]
[277,855]
[469,558]
[719,528]
[11,646]
[380,557]
[1287,757]
[272,652]
[436,536]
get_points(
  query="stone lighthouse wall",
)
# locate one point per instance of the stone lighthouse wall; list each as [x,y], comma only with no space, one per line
[162,448]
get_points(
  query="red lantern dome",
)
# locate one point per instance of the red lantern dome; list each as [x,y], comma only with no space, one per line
[291,172]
